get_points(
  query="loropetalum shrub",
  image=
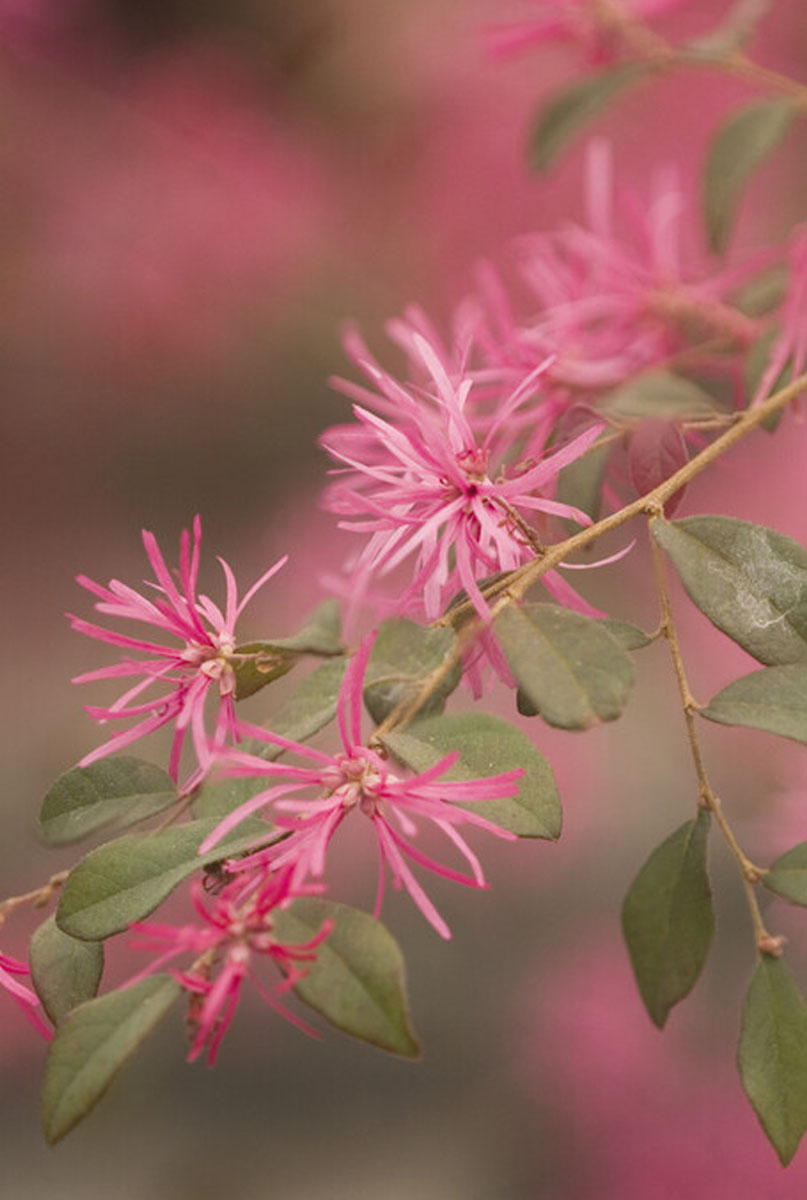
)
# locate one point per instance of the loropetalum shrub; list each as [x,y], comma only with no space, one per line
[469,484]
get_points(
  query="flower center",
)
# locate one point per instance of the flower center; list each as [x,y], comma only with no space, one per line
[357,779]
[213,660]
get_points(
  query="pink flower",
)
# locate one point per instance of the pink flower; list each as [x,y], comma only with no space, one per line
[202,662]
[437,484]
[237,925]
[359,779]
[790,346]
[595,25]
[21,995]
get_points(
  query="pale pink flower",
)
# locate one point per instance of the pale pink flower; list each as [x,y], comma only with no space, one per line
[359,779]
[611,303]
[237,926]
[198,665]
[592,24]
[27,1000]
[437,485]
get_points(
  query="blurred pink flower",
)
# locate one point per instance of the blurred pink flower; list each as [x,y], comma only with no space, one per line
[203,660]
[790,346]
[359,778]
[434,485]
[597,26]
[21,995]
[236,926]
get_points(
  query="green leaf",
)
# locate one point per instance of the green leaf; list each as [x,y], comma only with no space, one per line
[658,394]
[788,875]
[487,746]
[118,790]
[568,667]
[127,879]
[64,971]
[263,665]
[739,147]
[404,655]
[668,920]
[630,637]
[580,484]
[357,981]
[750,581]
[568,110]
[762,294]
[321,634]
[774,699]
[274,657]
[92,1045]
[772,1055]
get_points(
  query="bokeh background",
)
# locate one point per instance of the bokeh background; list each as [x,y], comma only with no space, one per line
[195,196]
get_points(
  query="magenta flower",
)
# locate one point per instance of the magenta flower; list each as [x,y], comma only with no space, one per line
[437,485]
[359,779]
[237,925]
[185,673]
[27,1000]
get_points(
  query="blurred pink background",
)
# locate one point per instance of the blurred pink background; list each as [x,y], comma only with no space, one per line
[195,197]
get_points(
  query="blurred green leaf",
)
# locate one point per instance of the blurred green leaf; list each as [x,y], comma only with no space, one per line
[762,294]
[64,971]
[487,746]
[774,699]
[404,655]
[357,981]
[568,667]
[788,875]
[118,790]
[567,111]
[580,484]
[127,879]
[630,637]
[738,148]
[772,1055]
[92,1045]
[659,394]
[668,920]
[750,581]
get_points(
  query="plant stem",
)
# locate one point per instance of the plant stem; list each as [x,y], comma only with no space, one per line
[38,897]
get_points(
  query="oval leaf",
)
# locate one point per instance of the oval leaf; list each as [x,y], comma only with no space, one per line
[659,394]
[772,1055]
[739,147]
[774,699]
[321,634]
[92,1045]
[668,920]
[788,875]
[630,637]
[657,450]
[64,971]
[750,581]
[570,109]
[357,981]
[127,879]
[118,790]
[568,667]
[404,654]
[487,746]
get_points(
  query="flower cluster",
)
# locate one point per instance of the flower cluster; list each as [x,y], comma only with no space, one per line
[359,780]
[236,927]
[188,672]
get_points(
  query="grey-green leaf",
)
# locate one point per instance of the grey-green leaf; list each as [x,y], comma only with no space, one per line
[321,634]
[580,483]
[630,637]
[788,875]
[750,581]
[92,1045]
[668,919]
[569,110]
[403,656]
[772,1055]
[739,147]
[774,699]
[568,667]
[357,981]
[127,879]
[659,394]
[64,971]
[118,790]
[487,746]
